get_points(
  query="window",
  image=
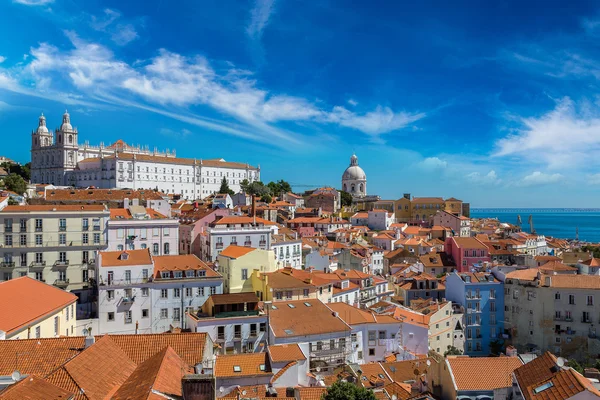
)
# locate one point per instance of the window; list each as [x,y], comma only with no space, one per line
[166,231]
[176,314]
[39,258]
[62,224]
[8,240]
[237,331]
[127,316]
[85,238]
[244,273]
[372,336]
[39,240]
[119,247]
[371,352]
[590,300]
[96,238]
[143,233]
[155,249]
[556,296]
[213,290]
[305,292]
[110,316]
[381,335]
[492,293]
[571,299]
[155,231]
[200,291]
[85,224]
[176,293]
[188,292]
[164,313]
[166,249]
[220,333]
[39,225]
[110,294]
[263,327]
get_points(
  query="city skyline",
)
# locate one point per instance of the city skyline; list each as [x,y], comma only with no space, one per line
[471,102]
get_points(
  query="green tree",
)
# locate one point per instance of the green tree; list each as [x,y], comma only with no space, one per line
[575,365]
[15,183]
[266,198]
[280,187]
[453,351]
[346,199]
[245,185]
[225,187]
[258,189]
[22,170]
[347,391]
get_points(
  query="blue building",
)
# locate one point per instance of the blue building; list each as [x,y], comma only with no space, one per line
[482,297]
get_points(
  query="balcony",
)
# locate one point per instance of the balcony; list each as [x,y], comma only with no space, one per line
[7,264]
[8,229]
[39,229]
[219,245]
[61,263]
[247,243]
[127,300]
[62,228]
[96,227]
[585,320]
[233,243]
[569,319]
[262,243]
[38,264]
[62,283]
[85,228]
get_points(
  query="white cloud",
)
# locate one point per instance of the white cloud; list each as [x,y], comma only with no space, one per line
[34,2]
[353,102]
[121,34]
[490,178]
[259,17]
[2,59]
[538,178]
[180,83]
[181,134]
[567,136]
[432,164]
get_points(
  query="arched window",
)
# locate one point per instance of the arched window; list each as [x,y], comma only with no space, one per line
[166,249]
[144,246]
[70,138]
[417,217]
[59,138]
[345,188]
[353,188]
[361,188]
[120,247]
[155,249]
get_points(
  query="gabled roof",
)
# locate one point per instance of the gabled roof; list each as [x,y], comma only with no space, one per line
[528,274]
[492,372]
[592,262]
[373,375]
[235,252]
[25,300]
[536,370]
[182,262]
[551,266]
[245,364]
[161,373]
[34,388]
[54,207]
[286,352]
[125,258]
[468,243]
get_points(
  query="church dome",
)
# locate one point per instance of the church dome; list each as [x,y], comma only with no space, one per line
[42,125]
[66,124]
[354,173]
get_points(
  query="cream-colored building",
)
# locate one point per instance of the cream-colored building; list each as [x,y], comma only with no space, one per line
[556,313]
[33,309]
[237,263]
[55,244]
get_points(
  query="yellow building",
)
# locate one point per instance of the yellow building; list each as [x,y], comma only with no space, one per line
[32,309]
[424,208]
[453,206]
[402,209]
[237,263]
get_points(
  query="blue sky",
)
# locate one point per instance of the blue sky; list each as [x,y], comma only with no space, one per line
[495,104]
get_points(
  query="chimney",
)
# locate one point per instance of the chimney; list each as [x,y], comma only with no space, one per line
[89,340]
[254,207]
[135,202]
[125,203]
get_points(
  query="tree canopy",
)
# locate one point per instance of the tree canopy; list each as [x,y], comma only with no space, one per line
[280,187]
[15,183]
[22,170]
[348,391]
[346,199]
[225,187]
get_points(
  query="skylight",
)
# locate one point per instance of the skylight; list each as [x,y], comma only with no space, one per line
[291,306]
[289,331]
[307,304]
[262,367]
[545,386]
[237,368]
[274,307]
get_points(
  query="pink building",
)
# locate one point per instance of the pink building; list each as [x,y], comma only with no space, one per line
[191,225]
[466,252]
[461,226]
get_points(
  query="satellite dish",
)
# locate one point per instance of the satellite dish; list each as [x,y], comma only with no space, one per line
[560,362]
[394,397]
[428,363]
[85,332]
[16,376]
[318,369]
[243,392]
[221,389]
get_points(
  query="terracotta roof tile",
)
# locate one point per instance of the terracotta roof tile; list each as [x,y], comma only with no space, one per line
[125,258]
[34,388]
[122,213]
[528,274]
[56,208]
[234,252]
[160,373]
[235,365]
[301,320]
[182,262]
[236,220]
[573,281]
[373,375]
[311,393]
[286,352]
[62,379]
[537,370]
[493,372]
[469,243]
[556,266]
[38,356]
[25,300]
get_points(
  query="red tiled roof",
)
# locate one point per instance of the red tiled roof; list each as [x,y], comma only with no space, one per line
[34,388]
[182,262]
[286,352]
[25,300]
[125,258]
[54,207]
[234,252]
[249,365]
[492,372]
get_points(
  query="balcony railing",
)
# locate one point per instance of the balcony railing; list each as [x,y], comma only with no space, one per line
[128,300]
[7,264]
[62,228]
[38,264]
[61,282]
[262,243]
[586,320]
[247,243]
[219,245]
[85,228]
[61,263]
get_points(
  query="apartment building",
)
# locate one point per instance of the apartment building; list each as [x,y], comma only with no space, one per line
[139,293]
[237,264]
[460,226]
[557,313]
[288,250]
[481,295]
[56,244]
[466,252]
[136,227]
[237,231]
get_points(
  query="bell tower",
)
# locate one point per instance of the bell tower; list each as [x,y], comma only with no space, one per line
[66,139]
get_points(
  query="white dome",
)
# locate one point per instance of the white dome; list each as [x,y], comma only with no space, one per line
[42,125]
[66,124]
[354,173]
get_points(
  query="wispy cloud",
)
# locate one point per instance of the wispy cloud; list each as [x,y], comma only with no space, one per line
[120,33]
[181,134]
[2,59]
[538,178]
[259,17]
[352,102]
[491,178]
[174,85]
[433,164]
[564,137]
[34,2]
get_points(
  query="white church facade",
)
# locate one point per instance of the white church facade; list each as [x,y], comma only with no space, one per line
[58,159]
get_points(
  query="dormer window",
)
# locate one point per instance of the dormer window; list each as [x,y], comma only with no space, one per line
[189,274]
[178,274]
[165,275]
[124,256]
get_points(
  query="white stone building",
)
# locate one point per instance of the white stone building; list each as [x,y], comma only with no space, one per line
[57,158]
[139,293]
[354,179]
[288,250]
